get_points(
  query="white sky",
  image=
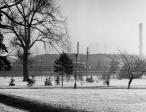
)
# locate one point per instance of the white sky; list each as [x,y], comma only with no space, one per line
[105,25]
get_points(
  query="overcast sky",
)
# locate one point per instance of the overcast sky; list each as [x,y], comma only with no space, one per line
[105,26]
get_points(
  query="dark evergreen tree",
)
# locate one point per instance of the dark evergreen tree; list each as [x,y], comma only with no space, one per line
[57,80]
[63,65]
[4,62]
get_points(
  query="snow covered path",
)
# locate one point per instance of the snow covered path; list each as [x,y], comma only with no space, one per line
[92,100]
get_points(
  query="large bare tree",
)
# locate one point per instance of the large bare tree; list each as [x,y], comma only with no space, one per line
[30,22]
[134,66]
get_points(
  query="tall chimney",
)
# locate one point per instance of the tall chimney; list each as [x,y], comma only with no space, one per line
[140,39]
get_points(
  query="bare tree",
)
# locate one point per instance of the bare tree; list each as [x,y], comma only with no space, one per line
[134,66]
[30,22]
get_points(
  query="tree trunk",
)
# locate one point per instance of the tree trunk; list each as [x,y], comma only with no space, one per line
[130,80]
[25,66]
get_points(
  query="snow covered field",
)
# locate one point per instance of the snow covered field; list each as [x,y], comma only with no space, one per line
[92,100]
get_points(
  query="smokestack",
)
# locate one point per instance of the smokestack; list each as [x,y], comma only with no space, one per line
[140,39]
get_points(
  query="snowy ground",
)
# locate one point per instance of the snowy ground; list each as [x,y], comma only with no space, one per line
[92,100]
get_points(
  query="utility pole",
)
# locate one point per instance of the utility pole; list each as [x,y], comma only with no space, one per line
[76,56]
[87,61]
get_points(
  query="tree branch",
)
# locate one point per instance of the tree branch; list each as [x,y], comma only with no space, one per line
[8,6]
